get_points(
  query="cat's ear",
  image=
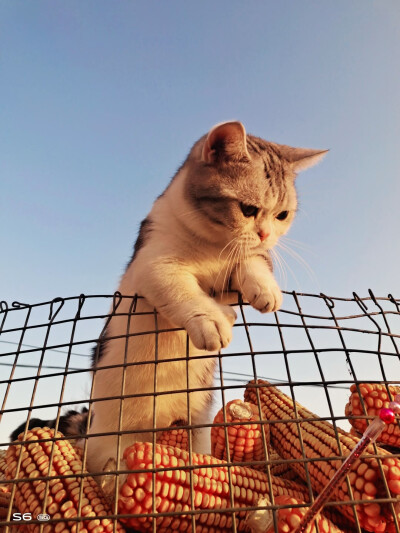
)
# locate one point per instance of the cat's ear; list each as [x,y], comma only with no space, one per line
[226,141]
[301,158]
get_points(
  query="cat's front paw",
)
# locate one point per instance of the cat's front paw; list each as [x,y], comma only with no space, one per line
[265,296]
[212,331]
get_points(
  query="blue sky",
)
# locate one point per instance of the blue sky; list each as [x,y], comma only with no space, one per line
[101,102]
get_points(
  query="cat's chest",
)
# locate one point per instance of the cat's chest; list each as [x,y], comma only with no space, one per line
[214,274]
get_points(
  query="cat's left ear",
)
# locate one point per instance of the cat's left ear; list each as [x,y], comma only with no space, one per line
[301,158]
[226,141]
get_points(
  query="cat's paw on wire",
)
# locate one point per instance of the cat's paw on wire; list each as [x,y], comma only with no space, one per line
[266,297]
[212,331]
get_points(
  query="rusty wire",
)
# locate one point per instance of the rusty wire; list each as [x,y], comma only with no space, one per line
[315,343]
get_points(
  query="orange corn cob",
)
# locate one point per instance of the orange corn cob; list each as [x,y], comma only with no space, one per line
[245,440]
[288,518]
[63,493]
[282,469]
[176,437]
[5,499]
[319,440]
[374,396]
[3,465]
[172,489]
[78,451]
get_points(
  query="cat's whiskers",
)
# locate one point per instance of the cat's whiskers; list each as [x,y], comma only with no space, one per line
[242,246]
[237,258]
[226,246]
[286,264]
[246,256]
[238,261]
[277,259]
[233,257]
[299,259]
[226,260]
[244,261]
[297,244]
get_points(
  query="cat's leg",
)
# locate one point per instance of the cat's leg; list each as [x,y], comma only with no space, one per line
[201,436]
[255,281]
[208,323]
[105,447]
[176,294]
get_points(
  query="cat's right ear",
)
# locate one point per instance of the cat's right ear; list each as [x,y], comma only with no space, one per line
[224,142]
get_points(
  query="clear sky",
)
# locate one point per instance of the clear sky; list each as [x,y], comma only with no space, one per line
[101,102]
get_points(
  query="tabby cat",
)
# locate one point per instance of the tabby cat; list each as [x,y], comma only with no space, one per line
[209,233]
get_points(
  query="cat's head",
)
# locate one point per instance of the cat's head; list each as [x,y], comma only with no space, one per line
[242,187]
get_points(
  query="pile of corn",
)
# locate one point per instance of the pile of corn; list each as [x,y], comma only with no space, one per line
[293,429]
[68,491]
[178,491]
[183,483]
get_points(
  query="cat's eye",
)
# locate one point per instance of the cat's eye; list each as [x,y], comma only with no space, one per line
[249,210]
[282,215]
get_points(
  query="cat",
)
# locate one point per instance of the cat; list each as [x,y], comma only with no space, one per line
[208,233]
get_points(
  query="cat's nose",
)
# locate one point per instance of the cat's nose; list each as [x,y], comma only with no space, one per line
[263,235]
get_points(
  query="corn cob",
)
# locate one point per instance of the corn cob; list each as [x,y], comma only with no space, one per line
[172,489]
[3,465]
[78,451]
[282,469]
[319,440]
[288,518]
[5,500]
[374,396]
[245,440]
[63,492]
[176,437]
[5,496]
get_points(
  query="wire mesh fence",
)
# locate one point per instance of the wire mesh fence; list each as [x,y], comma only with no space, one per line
[313,350]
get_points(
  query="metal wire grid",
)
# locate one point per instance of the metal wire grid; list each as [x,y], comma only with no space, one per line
[313,349]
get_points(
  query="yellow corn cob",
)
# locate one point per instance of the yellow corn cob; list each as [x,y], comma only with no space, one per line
[245,440]
[374,396]
[288,518]
[172,489]
[63,493]
[176,437]
[319,441]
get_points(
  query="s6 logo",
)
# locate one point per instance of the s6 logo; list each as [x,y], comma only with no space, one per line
[21,516]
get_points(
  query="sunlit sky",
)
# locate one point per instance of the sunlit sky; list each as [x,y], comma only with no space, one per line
[101,102]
